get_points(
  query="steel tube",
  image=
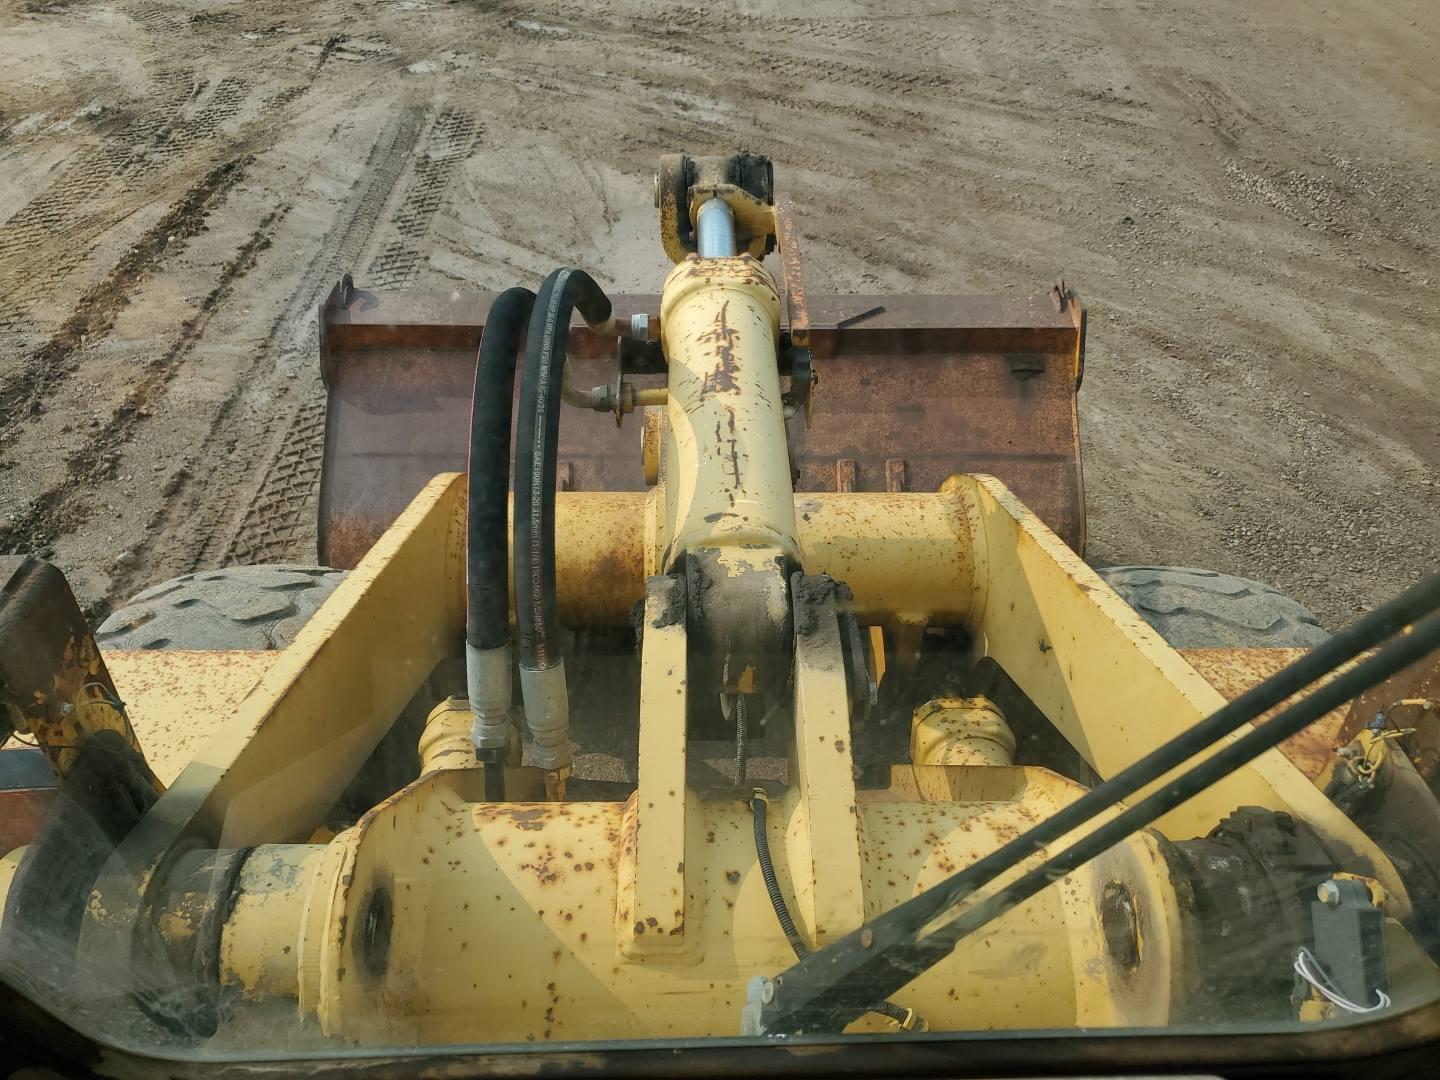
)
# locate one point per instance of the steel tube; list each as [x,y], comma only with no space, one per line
[909,558]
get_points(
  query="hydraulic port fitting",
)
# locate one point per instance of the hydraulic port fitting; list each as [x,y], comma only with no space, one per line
[446,741]
[644,327]
[961,731]
[619,398]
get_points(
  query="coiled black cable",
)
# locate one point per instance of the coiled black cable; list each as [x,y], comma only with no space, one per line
[742,759]
[906,1018]
[772,884]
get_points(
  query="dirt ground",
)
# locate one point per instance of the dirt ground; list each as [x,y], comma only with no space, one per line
[1246,196]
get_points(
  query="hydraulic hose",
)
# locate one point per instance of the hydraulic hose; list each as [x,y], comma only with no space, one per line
[542,671]
[487,555]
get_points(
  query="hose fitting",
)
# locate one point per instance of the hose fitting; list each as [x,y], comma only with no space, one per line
[488,686]
[547,715]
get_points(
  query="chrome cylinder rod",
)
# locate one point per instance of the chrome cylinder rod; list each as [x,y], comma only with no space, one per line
[715,230]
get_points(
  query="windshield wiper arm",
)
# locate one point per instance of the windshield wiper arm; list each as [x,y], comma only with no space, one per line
[835,985]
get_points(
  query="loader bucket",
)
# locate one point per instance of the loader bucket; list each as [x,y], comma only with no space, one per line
[911,389]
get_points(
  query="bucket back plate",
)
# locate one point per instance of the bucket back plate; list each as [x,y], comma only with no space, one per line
[911,389]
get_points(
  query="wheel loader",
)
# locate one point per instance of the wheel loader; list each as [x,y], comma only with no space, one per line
[771,721]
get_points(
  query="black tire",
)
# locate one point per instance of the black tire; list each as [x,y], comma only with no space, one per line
[1201,609]
[264,607]
[237,607]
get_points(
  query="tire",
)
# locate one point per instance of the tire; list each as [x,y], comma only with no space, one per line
[1201,609]
[264,607]
[237,607]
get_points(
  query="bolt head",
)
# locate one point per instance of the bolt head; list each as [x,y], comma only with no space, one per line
[767,992]
[867,938]
[1328,894]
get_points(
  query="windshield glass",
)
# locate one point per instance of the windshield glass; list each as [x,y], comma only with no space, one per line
[566,524]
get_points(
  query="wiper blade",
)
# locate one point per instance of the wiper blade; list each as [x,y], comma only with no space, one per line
[832,987]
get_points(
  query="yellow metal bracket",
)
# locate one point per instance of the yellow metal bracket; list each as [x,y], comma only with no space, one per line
[1111,684]
[823,829]
[650,909]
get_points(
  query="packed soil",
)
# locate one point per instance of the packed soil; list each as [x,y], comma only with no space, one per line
[1245,195]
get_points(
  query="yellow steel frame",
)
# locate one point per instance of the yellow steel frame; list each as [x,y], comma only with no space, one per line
[584,920]
[273,769]
[650,912]
[1111,685]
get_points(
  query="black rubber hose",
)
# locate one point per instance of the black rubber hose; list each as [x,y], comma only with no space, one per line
[782,910]
[536,612]
[487,553]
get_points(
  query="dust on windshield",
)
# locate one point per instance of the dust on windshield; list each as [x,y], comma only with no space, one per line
[536,526]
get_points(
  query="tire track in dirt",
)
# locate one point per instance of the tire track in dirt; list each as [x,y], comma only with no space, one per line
[69,504]
[278,523]
[451,140]
[83,179]
[208,519]
[297,333]
[134,168]
[281,518]
[160,20]
[59,229]
[23,394]
[222,103]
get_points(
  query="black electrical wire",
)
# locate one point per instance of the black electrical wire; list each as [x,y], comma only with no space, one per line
[890,951]
[772,884]
[536,442]
[758,805]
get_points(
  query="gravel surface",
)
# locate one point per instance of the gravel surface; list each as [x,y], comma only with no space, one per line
[1245,195]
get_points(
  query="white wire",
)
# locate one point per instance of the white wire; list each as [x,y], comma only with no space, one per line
[1304,961]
